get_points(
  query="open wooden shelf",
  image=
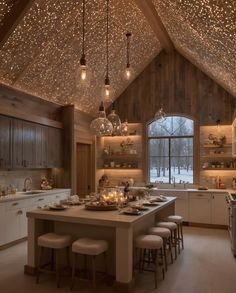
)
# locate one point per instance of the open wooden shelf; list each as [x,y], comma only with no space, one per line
[119,168]
[228,145]
[128,156]
[222,169]
[226,156]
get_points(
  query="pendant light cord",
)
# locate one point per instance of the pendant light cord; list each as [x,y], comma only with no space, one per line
[83,30]
[107,40]
[128,35]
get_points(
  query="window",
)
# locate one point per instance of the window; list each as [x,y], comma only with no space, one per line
[170,150]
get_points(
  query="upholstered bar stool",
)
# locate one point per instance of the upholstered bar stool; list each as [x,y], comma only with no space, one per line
[56,243]
[88,247]
[165,234]
[152,246]
[179,221]
[173,229]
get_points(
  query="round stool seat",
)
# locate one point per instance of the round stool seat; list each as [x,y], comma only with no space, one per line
[168,225]
[174,218]
[89,246]
[159,231]
[149,242]
[53,240]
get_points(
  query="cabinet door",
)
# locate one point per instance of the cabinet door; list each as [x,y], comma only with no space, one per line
[219,210]
[17,143]
[12,221]
[29,145]
[200,209]
[23,222]
[54,147]
[5,142]
[181,208]
[41,146]
[3,225]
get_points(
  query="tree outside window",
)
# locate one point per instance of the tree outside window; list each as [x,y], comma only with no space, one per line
[170,150]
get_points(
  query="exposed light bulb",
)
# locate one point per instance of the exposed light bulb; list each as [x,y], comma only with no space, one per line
[128,73]
[83,73]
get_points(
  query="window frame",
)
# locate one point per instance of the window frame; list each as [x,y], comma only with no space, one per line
[196,151]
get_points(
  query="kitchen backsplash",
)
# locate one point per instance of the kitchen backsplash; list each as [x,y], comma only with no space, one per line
[17,177]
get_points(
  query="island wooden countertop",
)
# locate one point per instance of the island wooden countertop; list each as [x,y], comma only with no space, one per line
[78,214]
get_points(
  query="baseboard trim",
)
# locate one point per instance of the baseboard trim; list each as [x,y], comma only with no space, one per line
[213,226]
[12,243]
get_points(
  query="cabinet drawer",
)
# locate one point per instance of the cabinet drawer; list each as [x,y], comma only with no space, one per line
[199,195]
[38,201]
[16,204]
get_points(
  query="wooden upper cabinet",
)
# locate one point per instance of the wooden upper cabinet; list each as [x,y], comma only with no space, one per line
[17,143]
[41,146]
[24,142]
[54,147]
[5,142]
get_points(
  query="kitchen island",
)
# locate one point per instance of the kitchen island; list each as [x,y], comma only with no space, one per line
[117,228]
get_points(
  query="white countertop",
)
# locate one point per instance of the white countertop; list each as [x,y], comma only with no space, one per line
[78,214]
[24,195]
[215,190]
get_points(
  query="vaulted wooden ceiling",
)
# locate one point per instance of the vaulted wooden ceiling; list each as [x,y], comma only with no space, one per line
[40,43]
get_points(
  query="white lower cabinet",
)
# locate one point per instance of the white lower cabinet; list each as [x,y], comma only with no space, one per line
[13,219]
[200,208]
[219,209]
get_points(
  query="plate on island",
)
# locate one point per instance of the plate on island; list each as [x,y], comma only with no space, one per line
[139,207]
[132,212]
[57,207]
[151,204]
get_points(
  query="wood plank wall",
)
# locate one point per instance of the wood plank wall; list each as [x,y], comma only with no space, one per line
[172,81]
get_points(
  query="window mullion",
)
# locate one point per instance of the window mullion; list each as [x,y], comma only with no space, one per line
[169,161]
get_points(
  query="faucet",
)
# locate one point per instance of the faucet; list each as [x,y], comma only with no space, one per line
[27,184]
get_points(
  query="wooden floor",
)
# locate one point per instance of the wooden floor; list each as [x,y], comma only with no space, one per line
[205,266]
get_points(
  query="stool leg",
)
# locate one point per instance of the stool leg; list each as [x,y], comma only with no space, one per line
[74,258]
[57,268]
[85,265]
[164,249]
[178,237]
[170,249]
[140,260]
[68,256]
[52,259]
[182,236]
[105,261]
[94,271]
[156,268]
[175,243]
[163,263]
[40,253]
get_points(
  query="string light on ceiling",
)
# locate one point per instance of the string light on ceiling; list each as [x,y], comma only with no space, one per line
[107,90]
[83,74]
[115,121]
[101,126]
[129,72]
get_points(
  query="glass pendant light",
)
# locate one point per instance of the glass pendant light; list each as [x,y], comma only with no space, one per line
[107,90]
[124,128]
[101,125]
[160,115]
[115,121]
[83,73]
[129,72]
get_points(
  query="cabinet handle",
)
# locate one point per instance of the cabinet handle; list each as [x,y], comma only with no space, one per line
[19,212]
[40,199]
[58,196]
[15,204]
[200,194]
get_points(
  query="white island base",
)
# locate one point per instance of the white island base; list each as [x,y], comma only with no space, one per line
[118,229]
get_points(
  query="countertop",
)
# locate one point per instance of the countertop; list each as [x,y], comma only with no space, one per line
[215,190]
[24,195]
[78,214]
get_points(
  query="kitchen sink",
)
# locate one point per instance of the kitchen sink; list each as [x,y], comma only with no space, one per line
[31,192]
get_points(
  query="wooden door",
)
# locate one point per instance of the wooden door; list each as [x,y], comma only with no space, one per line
[5,142]
[83,169]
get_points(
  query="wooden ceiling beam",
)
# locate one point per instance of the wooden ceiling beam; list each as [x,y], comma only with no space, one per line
[149,11]
[13,18]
